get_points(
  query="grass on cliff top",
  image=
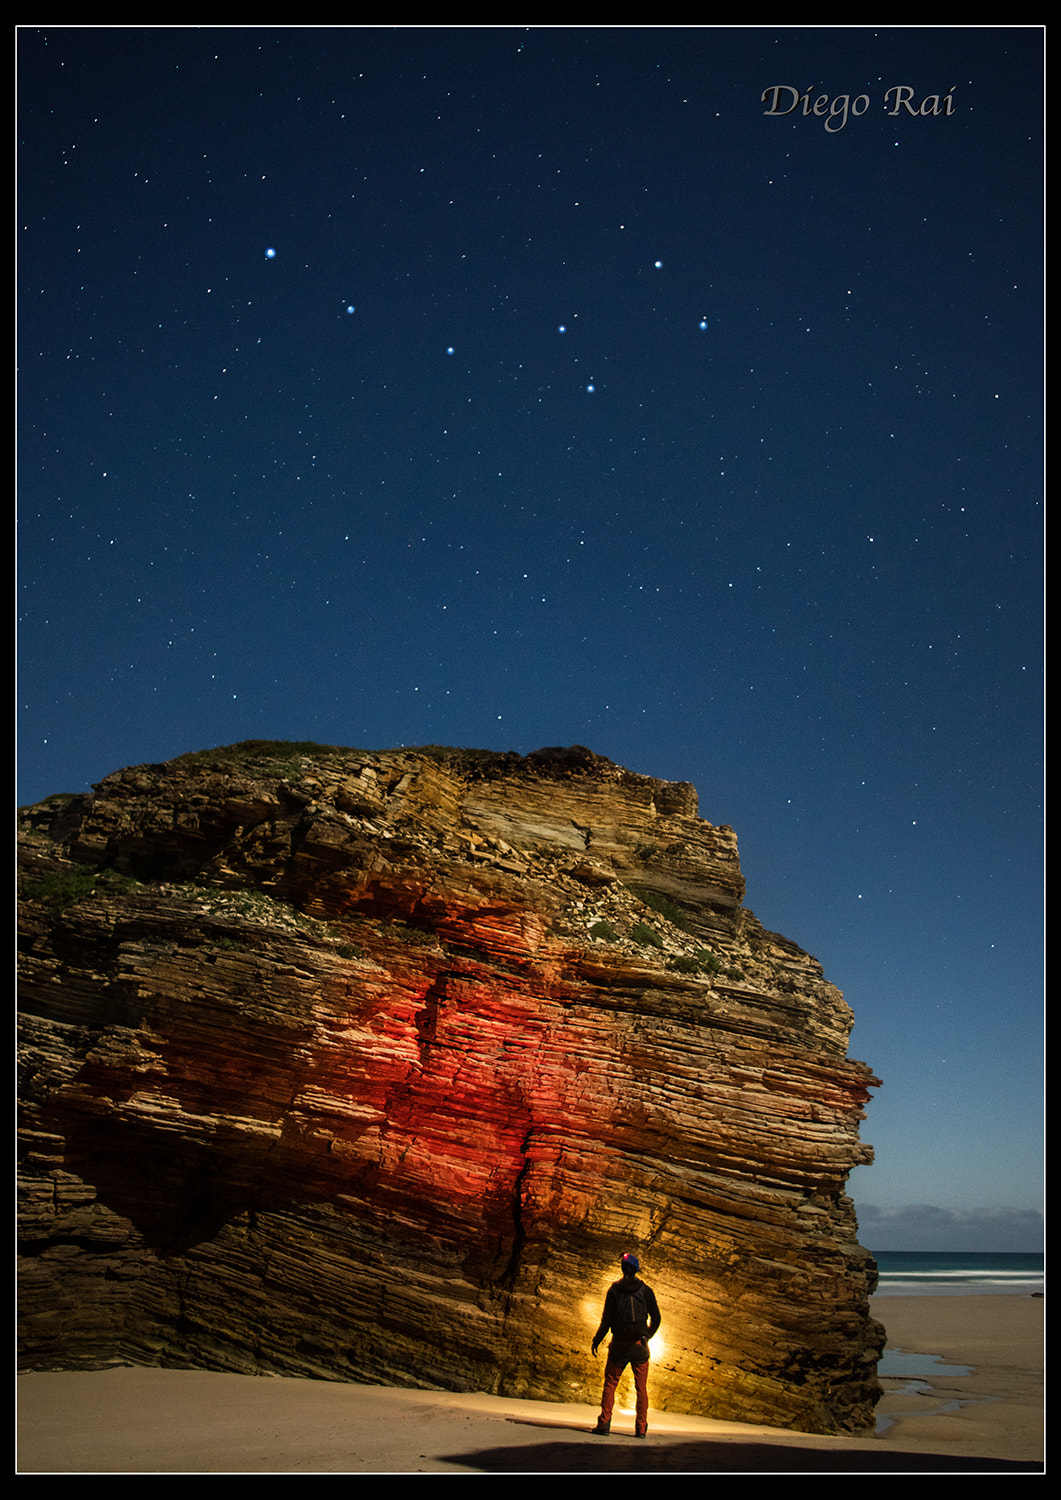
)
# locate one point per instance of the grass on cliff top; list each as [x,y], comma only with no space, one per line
[283,756]
[273,752]
[256,750]
[283,752]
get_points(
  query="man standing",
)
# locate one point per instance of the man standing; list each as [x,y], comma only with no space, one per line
[631,1316]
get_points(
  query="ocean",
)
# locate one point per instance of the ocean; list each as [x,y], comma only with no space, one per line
[936,1273]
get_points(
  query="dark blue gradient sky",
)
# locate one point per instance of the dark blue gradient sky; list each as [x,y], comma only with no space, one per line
[582,401]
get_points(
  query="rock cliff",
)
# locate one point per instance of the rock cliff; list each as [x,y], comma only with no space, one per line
[369,1066]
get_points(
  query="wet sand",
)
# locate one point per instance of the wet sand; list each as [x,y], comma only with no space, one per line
[996,1409]
[137,1420]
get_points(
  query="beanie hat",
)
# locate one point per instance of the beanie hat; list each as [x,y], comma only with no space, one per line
[631,1263]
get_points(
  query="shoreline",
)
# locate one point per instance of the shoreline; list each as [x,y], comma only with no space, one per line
[972,1378]
[987,1418]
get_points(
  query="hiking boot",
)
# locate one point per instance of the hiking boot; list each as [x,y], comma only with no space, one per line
[602,1429]
[641,1432]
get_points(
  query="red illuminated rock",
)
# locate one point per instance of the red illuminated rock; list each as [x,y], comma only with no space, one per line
[368,1066]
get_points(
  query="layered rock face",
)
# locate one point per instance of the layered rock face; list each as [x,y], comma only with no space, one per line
[369,1066]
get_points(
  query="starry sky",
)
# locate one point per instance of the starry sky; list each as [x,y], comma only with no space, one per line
[518,387]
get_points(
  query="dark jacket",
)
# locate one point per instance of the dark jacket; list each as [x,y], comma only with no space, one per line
[627,1344]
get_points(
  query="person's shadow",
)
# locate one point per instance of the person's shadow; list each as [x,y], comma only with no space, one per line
[621,1453]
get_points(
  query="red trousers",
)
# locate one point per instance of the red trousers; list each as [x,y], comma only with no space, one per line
[612,1374]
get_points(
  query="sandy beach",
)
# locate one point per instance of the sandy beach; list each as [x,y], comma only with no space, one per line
[976,1408]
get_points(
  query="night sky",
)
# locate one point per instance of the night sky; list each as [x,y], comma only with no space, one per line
[522,387]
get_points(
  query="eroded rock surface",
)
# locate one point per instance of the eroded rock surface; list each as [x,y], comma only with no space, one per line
[368,1066]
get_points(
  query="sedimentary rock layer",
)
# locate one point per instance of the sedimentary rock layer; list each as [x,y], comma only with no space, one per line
[370,1065]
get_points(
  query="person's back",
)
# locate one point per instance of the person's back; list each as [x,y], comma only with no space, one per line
[631,1315]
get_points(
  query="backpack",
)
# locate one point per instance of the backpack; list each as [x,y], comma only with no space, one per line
[631,1314]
